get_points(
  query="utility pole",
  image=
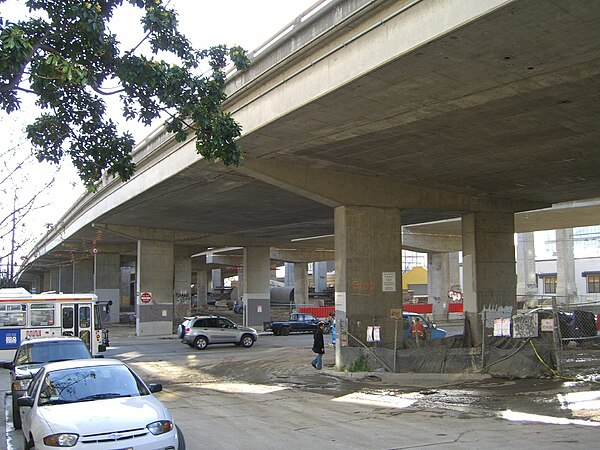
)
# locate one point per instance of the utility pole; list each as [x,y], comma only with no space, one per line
[11,259]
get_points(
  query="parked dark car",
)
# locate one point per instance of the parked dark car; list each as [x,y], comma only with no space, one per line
[32,355]
[576,324]
[297,323]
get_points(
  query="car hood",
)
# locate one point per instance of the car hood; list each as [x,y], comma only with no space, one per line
[438,333]
[104,416]
[27,370]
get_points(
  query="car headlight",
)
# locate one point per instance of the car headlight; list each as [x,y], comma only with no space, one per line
[61,440]
[160,427]
[21,384]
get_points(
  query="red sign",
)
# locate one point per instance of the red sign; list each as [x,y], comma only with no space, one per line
[146,297]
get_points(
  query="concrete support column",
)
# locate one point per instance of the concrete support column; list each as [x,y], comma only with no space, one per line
[107,281]
[48,279]
[217,279]
[320,276]
[83,276]
[454,271]
[566,288]
[154,275]
[241,287]
[301,284]
[438,284]
[108,269]
[127,300]
[368,275]
[526,278]
[202,287]
[489,271]
[257,288]
[182,285]
[288,279]
[77,277]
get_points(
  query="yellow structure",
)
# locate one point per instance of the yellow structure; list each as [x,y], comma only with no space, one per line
[417,275]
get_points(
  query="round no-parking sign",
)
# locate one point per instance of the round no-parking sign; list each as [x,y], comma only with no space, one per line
[145,297]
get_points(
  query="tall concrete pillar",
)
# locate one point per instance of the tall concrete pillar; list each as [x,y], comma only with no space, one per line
[154,276]
[288,279]
[128,299]
[182,284]
[566,288]
[54,280]
[368,275]
[202,288]
[489,271]
[217,279]
[257,288]
[107,270]
[301,284]
[83,276]
[438,284]
[241,287]
[526,278]
[49,276]
[320,276]
[454,271]
[107,283]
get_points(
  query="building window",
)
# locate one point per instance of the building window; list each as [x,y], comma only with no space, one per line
[593,284]
[549,285]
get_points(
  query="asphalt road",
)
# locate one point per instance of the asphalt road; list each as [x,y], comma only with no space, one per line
[269,397]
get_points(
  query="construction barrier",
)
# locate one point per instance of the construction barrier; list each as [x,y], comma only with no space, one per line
[322,312]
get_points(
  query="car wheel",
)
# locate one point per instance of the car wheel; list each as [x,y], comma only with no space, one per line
[200,342]
[15,414]
[285,331]
[247,341]
[180,439]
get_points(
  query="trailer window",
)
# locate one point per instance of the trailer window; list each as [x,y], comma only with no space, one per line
[41,315]
[12,315]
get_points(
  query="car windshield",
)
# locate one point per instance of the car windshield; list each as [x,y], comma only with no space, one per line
[84,384]
[44,352]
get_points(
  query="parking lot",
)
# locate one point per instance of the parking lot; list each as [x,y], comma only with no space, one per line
[268,396]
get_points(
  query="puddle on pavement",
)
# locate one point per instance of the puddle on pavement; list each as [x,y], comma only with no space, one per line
[515,416]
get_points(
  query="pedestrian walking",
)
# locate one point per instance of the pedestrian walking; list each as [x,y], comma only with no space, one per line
[318,347]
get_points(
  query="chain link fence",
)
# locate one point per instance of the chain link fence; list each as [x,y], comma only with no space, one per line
[548,341]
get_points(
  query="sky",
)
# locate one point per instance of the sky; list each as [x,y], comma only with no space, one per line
[248,23]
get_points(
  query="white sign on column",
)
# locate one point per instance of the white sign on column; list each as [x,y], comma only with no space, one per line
[388,281]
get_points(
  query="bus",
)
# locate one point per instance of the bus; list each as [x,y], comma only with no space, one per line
[24,315]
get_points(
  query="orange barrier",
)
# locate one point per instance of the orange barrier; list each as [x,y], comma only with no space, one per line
[322,312]
[418,308]
[455,307]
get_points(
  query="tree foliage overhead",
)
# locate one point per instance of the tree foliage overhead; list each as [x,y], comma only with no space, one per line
[66,56]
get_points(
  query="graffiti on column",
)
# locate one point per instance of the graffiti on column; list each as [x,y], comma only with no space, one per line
[182,297]
[363,286]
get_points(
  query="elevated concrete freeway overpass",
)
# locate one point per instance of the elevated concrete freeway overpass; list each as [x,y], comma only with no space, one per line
[365,116]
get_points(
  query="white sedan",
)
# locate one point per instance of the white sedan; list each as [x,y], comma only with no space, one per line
[95,404]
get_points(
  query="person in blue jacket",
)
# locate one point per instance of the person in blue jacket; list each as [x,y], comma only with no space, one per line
[318,347]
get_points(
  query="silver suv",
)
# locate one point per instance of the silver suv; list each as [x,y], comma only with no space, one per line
[201,331]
